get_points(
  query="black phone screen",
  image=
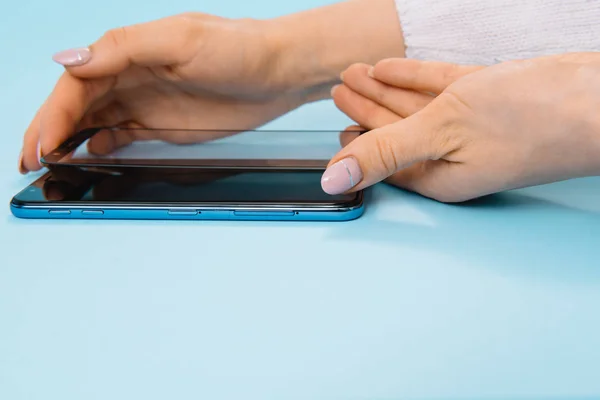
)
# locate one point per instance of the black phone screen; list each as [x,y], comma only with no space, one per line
[176,185]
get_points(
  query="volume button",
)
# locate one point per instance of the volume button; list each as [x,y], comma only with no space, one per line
[92,212]
[183,212]
[59,212]
[263,213]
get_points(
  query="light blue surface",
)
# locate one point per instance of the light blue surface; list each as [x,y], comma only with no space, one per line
[498,299]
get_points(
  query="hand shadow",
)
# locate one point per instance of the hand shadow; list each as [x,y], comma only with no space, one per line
[513,233]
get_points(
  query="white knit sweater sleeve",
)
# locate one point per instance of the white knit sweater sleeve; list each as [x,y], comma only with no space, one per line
[485,32]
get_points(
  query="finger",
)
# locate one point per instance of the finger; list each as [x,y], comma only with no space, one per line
[349,134]
[66,107]
[111,115]
[400,101]
[29,159]
[432,178]
[376,155]
[168,41]
[422,76]
[107,141]
[363,111]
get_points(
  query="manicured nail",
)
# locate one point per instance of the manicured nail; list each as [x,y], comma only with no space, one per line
[341,176]
[371,72]
[73,57]
[39,153]
[334,89]
[22,168]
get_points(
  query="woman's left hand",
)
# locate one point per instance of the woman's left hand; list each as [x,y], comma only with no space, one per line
[472,131]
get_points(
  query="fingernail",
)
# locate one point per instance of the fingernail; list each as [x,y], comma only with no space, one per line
[73,57]
[39,153]
[341,176]
[342,76]
[371,72]
[334,89]
[22,168]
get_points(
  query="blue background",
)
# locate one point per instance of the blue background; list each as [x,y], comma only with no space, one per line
[497,299]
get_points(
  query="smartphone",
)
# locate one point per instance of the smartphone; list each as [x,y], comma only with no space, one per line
[184,194]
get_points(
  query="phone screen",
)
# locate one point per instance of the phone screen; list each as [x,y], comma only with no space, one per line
[175,185]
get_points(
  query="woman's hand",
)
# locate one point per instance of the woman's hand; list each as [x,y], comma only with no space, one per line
[198,71]
[187,71]
[508,126]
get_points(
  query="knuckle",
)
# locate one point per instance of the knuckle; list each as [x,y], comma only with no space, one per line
[186,29]
[184,23]
[384,154]
[451,132]
[117,36]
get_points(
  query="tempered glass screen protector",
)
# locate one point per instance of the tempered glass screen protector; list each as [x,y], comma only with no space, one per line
[121,147]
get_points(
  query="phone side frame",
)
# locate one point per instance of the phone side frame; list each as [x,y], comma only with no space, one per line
[100,211]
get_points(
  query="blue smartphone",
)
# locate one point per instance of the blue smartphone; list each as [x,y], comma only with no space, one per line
[184,194]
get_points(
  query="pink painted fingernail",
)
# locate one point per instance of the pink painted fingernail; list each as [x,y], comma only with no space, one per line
[22,168]
[73,57]
[341,176]
[39,153]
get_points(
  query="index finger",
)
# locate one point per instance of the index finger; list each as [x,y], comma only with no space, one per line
[62,112]
[167,41]
[422,76]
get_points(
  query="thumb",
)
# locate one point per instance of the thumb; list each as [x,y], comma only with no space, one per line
[375,155]
[157,43]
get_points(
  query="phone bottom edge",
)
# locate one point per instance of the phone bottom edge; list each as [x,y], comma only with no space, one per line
[204,215]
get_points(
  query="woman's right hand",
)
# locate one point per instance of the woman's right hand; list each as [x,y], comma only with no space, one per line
[192,71]
[508,126]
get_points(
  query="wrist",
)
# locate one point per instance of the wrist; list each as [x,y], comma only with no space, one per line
[310,49]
